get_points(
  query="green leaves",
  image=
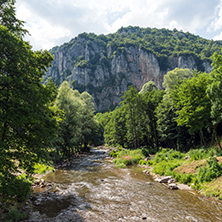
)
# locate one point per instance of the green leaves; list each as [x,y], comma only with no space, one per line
[27,122]
[78,125]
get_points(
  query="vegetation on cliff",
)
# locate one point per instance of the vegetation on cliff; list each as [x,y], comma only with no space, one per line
[105,65]
[163,43]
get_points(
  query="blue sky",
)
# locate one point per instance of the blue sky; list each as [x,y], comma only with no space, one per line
[53,22]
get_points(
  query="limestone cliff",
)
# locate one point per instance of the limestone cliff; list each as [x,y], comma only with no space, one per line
[94,64]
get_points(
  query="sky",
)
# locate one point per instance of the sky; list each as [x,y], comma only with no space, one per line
[54,22]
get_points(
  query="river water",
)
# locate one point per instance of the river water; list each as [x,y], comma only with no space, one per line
[95,190]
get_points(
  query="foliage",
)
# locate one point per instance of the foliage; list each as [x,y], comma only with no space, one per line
[167,160]
[113,153]
[165,167]
[42,168]
[14,216]
[78,127]
[127,157]
[209,172]
[133,124]
[27,119]
[149,86]
[193,105]
[214,93]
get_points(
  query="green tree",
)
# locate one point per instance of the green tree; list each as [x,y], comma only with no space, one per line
[131,102]
[78,125]
[27,123]
[115,129]
[193,104]
[9,20]
[88,123]
[149,86]
[214,92]
[68,137]
[150,101]
[170,133]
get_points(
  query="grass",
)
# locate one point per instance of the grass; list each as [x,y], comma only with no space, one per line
[202,170]
[41,168]
[125,157]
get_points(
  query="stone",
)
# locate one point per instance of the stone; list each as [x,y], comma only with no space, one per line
[146,172]
[163,179]
[171,181]
[147,158]
[37,182]
[184,187]
[172,186]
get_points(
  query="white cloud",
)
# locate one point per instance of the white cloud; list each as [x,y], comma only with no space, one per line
[216,24]
[51,23]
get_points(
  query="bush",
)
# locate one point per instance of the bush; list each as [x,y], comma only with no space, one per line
[166,168]
[113,153]
[209,172]
[127,160]
[14,188]
[121,165]
[14,216]
[42,168]
[142,162]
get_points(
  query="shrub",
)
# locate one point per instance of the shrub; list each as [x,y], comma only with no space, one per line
[166,168]
[113,153]
[42,168]
[121,165]
[209,172]
[197,154]
[14,215]
[127,160]
[142,162]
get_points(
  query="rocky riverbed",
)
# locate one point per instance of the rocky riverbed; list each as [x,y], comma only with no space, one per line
[91,189]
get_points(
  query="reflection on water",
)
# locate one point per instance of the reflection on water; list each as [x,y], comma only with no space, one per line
[94,190]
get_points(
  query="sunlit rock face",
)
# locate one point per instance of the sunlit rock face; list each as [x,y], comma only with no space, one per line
[106,72]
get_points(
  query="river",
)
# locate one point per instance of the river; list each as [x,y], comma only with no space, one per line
[92,189]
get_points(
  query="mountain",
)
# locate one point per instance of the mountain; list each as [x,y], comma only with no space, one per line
[105,65]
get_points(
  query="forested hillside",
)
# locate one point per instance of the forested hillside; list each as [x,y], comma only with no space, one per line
[105,65]
[185,115]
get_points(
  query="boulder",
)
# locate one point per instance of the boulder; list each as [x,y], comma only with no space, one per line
[171,181]
[184,187]
[172,186]
[146,171]
[148,183]
[163,179]
[37,182]
[42,181]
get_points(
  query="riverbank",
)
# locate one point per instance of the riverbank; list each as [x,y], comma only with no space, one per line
[199,169]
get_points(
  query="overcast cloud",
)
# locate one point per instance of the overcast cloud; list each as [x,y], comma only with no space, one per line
[53,22]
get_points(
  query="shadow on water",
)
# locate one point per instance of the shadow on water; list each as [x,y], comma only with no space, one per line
[95,190]
[54,207]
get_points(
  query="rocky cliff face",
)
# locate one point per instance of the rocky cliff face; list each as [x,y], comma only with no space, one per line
[106,72]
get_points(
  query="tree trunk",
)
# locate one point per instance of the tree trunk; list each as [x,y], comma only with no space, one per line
[216,136]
